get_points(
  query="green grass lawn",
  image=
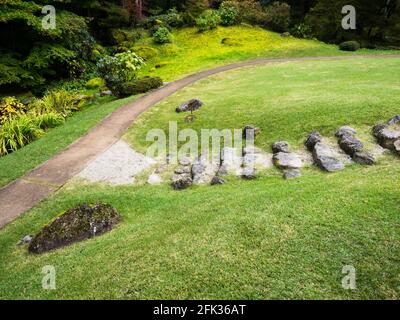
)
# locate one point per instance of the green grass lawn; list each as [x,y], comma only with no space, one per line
[18,163]
[261,239]
[286,100]
[192,51]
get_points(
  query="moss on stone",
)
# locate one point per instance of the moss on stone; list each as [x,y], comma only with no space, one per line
[77,224]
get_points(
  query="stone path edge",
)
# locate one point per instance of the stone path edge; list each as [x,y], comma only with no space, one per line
[24,193]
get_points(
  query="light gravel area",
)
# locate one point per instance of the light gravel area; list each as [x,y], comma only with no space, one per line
[119,165]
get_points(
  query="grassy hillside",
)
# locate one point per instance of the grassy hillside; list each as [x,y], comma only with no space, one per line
[191,51]
[286,100]
[267,238]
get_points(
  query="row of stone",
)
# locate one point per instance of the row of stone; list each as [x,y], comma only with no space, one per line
[247,164]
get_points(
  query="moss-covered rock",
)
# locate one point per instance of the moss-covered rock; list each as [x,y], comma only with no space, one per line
[77,224]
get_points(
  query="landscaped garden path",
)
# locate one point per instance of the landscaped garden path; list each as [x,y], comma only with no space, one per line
[22,194]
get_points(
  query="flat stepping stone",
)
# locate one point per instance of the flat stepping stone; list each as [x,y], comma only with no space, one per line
[119,165]
[287,160]
[327,158]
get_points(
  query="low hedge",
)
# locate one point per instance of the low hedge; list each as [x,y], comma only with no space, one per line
[142,85]
[350,46]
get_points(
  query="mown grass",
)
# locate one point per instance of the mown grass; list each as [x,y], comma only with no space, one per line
[286,100]
[262,239]
[18,163]
[193,51]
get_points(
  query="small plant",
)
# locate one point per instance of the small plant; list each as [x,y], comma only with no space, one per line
[208,20]
[350,46]
[228,14]
[162,35]
[10,107]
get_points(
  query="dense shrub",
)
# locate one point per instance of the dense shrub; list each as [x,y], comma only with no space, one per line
[118,70]
[228,14]
[95,83]
[162,35]
[10,107]
[350,46]
[278,16]
[142,85]
[208,20]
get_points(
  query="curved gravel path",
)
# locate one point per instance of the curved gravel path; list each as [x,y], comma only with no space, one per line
[24,193]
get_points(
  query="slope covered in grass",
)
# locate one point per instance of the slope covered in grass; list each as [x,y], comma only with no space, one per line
[286,100]
[192,51]
[267,238]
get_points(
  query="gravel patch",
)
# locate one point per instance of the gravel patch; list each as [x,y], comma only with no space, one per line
[119,165]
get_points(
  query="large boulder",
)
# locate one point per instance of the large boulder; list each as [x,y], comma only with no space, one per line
[191,105]
[312,140]
[350,144]
[77,224]
[285,160]
[327,158]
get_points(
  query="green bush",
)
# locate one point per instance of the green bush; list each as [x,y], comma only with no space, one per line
[162,35]
[10,107]
[228,14]
[95,83]
[350,46]
[208,20]
[142,85]
[118,70]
